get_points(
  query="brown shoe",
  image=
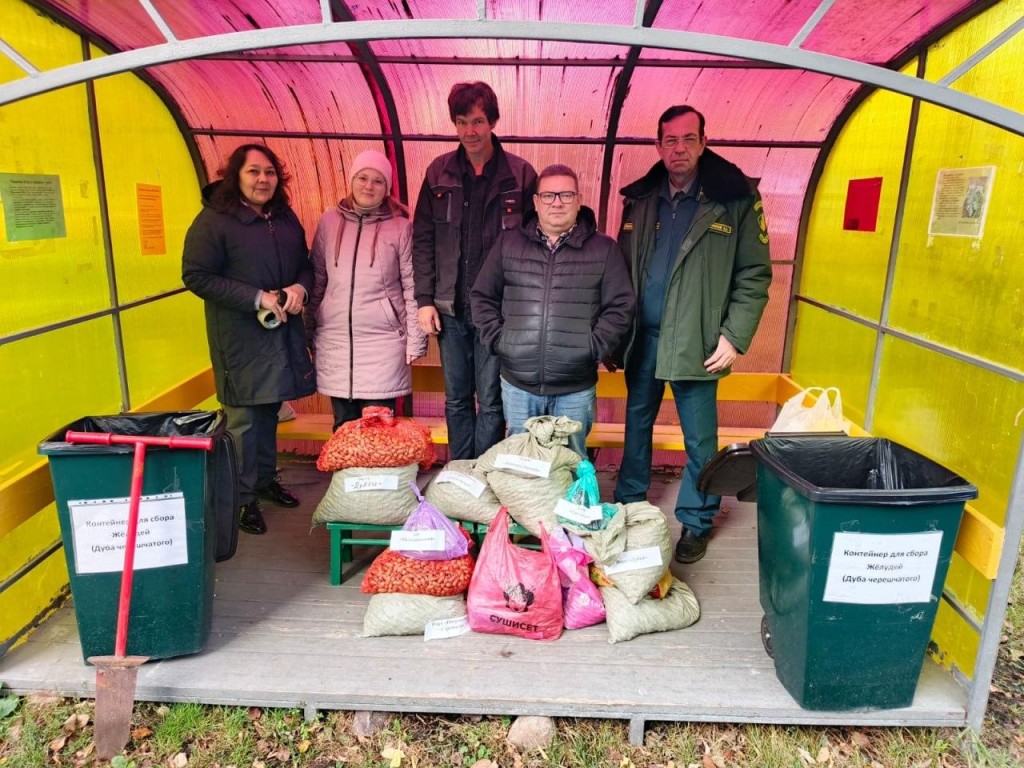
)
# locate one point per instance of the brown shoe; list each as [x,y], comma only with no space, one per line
[250,518]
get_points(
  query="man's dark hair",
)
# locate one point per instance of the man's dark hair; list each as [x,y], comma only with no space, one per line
[464,96]
[559,170]
[678,111]
[228,193]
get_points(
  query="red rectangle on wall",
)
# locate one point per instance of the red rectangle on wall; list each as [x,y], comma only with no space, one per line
[862,197]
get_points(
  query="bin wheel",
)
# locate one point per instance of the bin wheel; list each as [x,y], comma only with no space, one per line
[766,637]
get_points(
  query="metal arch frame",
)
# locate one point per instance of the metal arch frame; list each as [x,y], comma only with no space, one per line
[383,99]
[481,28]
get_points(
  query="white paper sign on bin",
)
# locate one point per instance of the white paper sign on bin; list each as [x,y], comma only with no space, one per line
[99,528]
[882,569]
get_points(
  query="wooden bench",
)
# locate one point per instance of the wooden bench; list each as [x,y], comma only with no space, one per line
[343,538]
[738,387]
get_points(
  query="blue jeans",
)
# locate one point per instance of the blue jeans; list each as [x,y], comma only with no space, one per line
[521,405]
[474,423]
[696,404]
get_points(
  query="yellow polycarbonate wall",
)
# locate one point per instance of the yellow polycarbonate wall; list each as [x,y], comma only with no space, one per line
[952,388]
[59,356]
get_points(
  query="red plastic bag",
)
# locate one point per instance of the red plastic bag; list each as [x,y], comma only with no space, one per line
[582,603]
[377,439]
[427,519]
[514,591]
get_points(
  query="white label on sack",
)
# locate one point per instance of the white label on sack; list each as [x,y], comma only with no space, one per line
[438,629]
[469,484]
[371,483]
[535,467]
[634,560]
[431,540]
[99,528]
[577,513]
[880,569]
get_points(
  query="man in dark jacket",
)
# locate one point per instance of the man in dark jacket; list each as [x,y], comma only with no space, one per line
[553,299]
[693,231]
[468,198]
[245,252]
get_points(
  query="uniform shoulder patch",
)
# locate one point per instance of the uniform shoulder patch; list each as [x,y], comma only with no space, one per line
[763,234]
[720,228]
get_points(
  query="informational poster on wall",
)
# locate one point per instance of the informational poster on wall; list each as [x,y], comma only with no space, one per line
[961,200]
[882,569]
[99,528]
[33,207]
[151,219]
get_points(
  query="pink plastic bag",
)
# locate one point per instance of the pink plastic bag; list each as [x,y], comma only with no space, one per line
[514,591]
[582,604]
[427,517]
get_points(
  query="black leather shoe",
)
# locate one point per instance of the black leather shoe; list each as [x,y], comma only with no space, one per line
[690,548]
[250,518]
[276,494]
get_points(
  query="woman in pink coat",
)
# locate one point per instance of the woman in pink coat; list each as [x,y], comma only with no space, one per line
[361,317]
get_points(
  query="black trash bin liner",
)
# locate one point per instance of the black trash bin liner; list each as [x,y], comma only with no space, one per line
[221,466]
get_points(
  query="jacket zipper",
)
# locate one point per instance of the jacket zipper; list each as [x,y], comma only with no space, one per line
[549,262]
[351,304]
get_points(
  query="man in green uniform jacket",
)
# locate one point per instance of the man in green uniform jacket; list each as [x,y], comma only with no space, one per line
[694,233]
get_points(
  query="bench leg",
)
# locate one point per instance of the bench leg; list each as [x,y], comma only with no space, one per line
[335,557]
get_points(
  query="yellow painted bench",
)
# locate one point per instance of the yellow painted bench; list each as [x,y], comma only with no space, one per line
[739,387]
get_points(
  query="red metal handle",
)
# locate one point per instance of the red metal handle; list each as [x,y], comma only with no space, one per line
[125,599]
[105,438]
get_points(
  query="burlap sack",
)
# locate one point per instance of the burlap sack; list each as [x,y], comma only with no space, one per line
[344,503]
[531,471]
[677,610]
[399,614]
[640,526]
[457,499]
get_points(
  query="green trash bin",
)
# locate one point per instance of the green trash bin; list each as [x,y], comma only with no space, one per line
[172,592]
[855,536]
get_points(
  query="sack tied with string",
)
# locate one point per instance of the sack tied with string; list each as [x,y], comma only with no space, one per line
[531,471]
[461,492]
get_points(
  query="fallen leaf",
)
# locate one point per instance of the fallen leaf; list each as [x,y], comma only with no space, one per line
[303,746]
[718,760]
[805,756]
[255,713]
[140,733]
[71,724]
[860,740]
[393,754]
[483,764]
[625,762]
[58,744]
[180,760]
[163,711]
[258,764]
[708,762]
[824,755]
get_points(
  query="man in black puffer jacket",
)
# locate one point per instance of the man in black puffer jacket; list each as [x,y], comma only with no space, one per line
[552,299]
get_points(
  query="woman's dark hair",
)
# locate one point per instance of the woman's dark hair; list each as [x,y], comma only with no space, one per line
[228,193]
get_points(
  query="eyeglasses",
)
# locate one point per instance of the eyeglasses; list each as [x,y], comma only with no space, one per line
[671,142]
[549,197]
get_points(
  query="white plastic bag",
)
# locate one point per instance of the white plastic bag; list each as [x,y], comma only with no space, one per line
[824,414]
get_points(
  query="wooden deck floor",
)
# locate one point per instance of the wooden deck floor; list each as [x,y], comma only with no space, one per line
[283,637]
